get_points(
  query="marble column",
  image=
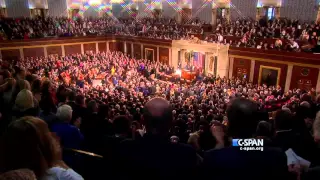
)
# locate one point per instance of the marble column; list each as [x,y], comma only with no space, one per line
[253,63]
[288,78]
[183,58]
[125,47]
[174,57]
[21,53]
[108,46]
[63,50]
[45,51]
[318,82]
[231,61]
[132,50]
[158,54]
[142,55]
[207,62]
[222,66]
[97,47]
[170,58]
[82,48]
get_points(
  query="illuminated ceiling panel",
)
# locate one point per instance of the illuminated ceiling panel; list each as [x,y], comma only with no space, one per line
[186,3]
[116,1]
[38,4]
[2,3]
[74,4]
[220,3]
[262,3]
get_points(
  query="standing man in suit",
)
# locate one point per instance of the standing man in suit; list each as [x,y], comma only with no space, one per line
[230,163]
[154,153]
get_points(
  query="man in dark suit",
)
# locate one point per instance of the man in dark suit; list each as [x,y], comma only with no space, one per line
[232,163]
[154,153]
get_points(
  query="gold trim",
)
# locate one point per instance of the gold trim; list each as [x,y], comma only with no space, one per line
[68,44]
[269,67]
[276,61]
[145,53]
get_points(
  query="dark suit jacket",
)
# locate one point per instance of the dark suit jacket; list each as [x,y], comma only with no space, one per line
[231,163]
[156,158]
[302,144]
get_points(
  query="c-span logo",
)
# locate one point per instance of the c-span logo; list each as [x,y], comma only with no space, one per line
[248,144]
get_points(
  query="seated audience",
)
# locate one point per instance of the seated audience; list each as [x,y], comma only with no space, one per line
[141,123]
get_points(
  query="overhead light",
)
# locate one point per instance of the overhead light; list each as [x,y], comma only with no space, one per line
[94,2]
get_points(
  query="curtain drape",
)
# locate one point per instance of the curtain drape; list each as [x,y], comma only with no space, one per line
[168,8]
[243,9]
[305,10]
[18,8]
[57,8]
[202,9]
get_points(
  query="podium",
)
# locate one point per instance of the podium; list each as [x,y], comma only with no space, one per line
[188,75]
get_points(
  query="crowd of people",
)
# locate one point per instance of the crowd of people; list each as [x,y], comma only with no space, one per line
[280,34]
[118,107]
[286,34]
[27,28]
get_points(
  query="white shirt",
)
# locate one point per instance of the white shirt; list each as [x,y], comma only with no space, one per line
[58,173]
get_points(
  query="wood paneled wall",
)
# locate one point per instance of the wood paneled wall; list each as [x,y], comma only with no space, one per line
[102,46]
[10,54]
[33,52]
[128,47]
[241,67]
[164,55]
[120,46]
[304,77]
[283,73]
[89,47]
[137,51]
[54,50]
[72,49]
[112,46]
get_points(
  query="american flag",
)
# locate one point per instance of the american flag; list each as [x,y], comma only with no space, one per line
[198,59]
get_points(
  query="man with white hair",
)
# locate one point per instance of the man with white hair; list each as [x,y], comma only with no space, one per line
[70,136]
